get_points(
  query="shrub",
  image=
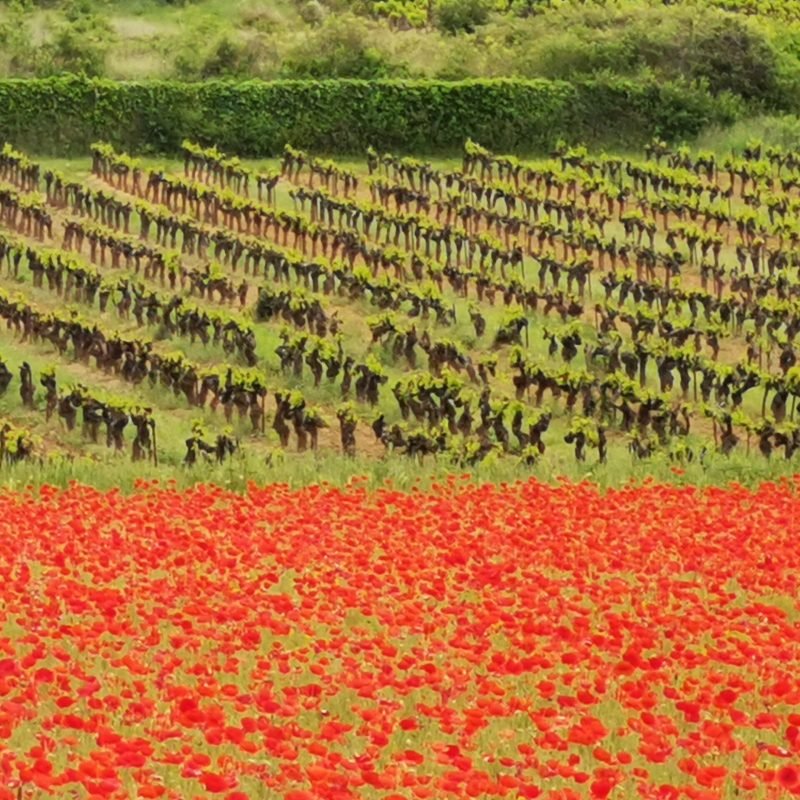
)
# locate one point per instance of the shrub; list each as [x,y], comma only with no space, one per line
[681,42]
[340,48]
[455,16]
[731,56]
[79,46]
[228,58]
[312,12]
[256,118]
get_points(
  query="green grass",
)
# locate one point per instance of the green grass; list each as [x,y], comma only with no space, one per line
[781,130]
[298,470]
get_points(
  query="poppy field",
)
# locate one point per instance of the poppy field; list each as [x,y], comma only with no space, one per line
[518,640]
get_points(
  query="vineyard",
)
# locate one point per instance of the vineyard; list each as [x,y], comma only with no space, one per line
[582,309]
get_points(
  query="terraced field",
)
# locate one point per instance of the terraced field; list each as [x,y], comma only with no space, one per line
[585,308]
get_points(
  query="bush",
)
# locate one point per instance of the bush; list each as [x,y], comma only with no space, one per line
[76,42]
[461,62]
[732,57]
[677,43]
[227,59]
[456,16]
[78,46]
[71,52]
[312,12]
[63,116]
[340,48]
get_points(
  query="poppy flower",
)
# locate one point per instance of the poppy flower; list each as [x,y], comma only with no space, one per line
[788,777]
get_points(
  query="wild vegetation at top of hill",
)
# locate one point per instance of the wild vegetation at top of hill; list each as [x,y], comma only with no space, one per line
[751,49]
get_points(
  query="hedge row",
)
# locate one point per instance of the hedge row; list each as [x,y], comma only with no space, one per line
[61,116]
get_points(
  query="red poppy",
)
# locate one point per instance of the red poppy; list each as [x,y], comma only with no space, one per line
[215,783]
[788,777]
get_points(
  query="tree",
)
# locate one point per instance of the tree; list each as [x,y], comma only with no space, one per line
[732,57]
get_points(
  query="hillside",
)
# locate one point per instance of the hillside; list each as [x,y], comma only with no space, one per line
[747,48]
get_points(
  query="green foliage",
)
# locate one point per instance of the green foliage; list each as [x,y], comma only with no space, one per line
[339,49]
[739,50]
[312,12]
[77,42]
[454,16]
[403,13]
[77,47]
[680,42]
[228,58]
[732,57]
[755,55]
[782,131]
[62,116]
[205,50]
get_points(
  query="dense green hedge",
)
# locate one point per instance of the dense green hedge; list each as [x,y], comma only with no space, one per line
[61,116]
